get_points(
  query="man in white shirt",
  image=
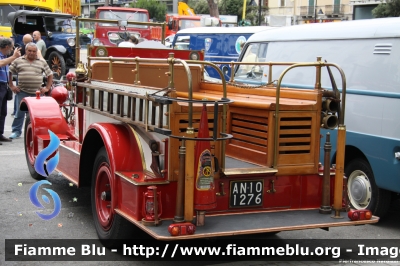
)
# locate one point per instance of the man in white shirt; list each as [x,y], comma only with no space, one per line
[130,41]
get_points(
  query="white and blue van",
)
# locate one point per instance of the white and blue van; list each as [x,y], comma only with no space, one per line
[369,52]
[220,44]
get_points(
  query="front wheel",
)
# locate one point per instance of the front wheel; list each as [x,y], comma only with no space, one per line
[57,64]
[362,189]
[109,225]
[29,149]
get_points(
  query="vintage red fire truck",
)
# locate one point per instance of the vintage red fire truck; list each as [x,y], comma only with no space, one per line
[110,33]
[166,151]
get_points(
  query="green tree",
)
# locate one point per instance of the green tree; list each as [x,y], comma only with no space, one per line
[235,7]
[204,6]
[156,9]
[200,7]
[389,9]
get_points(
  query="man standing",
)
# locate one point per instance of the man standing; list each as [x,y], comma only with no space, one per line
[6,47]
[41,45]
[26,39]
[30,71]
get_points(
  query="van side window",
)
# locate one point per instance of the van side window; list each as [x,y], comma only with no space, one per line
[254,52]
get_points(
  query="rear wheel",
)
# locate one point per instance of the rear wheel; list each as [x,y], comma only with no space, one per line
[57,64]
[362,189]
[29,149]
[109,225]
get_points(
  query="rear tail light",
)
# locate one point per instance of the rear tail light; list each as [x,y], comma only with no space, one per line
[358,215]
[181,229]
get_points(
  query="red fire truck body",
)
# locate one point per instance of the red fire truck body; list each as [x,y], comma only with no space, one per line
[111,34]
[173,154]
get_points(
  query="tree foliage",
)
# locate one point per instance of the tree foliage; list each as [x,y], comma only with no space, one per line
[200,7]
[156,9]
[235,7]
[389,9]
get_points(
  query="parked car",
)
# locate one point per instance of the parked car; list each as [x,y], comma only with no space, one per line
[221,44]
[56,29]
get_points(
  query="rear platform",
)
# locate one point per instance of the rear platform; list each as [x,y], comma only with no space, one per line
[253,223]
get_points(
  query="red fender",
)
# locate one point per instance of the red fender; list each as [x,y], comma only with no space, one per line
[122,149]
[45,114]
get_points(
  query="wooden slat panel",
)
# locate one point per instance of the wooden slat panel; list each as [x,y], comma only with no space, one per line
[250,139]
[289,140]
[249,145]
[250,132]
[294,131]
[249,125]
[296,123]
[258,119]
[295,148]
[178,125]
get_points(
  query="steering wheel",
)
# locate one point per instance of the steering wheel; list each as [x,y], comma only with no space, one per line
[252,73]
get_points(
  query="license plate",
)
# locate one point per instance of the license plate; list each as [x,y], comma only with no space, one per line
[246,193]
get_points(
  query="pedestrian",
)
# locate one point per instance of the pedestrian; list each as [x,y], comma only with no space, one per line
[130,41]
[6,47]
[30,71]
[26,39]
[133,39]
[41,45]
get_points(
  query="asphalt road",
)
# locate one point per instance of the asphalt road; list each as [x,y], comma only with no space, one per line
[20,221]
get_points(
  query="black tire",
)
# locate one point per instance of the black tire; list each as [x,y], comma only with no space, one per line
[109,225]
[362,189]
[28,145]
[57,64]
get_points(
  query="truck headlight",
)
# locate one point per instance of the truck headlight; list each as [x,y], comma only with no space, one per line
[96,42]
[71,41]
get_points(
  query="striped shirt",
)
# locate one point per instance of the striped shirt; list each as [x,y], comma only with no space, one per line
[3,70]
[30,75]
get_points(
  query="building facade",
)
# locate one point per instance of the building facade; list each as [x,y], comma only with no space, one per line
[308,11]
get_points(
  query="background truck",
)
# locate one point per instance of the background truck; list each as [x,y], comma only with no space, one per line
[185,19]
[111,34]
[72,7]
[170,154]
[56,29]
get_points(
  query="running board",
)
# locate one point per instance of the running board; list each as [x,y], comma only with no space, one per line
[252,223]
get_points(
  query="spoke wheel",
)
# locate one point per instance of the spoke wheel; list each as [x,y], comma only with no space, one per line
[103,196]
[29,149]
[109,225]
[57,64]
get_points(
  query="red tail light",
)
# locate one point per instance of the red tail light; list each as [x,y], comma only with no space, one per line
[357,215]
[181,229]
